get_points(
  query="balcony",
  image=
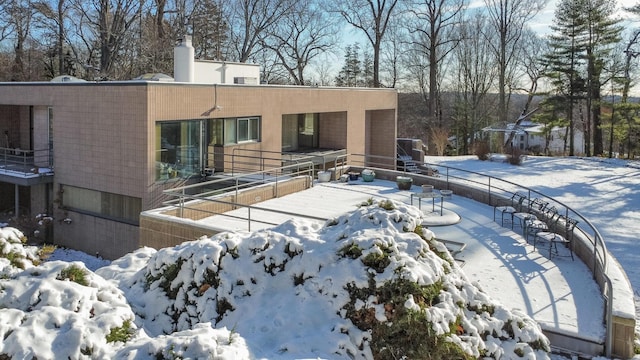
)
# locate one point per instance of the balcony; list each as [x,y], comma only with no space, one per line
[25,167]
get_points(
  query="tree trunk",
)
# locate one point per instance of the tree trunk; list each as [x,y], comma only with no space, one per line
[595,115]
[433,82]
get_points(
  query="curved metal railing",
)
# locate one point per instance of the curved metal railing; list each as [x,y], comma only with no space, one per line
[499,189]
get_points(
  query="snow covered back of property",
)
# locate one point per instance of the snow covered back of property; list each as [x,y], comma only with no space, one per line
[350,289]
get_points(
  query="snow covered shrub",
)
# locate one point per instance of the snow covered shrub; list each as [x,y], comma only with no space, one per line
[74,273]
[33,226]
[352,251]
[201,342]
[399,330]
[378,258]
[45,318]
[515,157]
[121,333]
[14,255]
[387,205]
[370,284]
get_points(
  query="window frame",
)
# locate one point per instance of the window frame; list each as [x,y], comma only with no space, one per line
[252,125]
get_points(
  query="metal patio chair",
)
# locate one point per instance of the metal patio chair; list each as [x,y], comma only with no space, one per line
[554,238]
[507,210]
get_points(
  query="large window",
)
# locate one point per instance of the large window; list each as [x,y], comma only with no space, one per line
[178,148]
[102,204]
[181,145]
[300,131]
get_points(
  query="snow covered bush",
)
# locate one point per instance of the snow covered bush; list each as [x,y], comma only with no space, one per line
[14,256]
[60,310]
[48,316]
[370,284]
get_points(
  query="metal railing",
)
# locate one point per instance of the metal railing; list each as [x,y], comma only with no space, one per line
[497,189]
[185,196]
[500,188]
[24,161]
[243,160]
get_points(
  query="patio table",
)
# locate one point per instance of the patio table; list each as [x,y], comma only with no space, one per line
[433,195]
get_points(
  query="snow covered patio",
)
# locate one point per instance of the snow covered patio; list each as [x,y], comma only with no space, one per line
[560,294]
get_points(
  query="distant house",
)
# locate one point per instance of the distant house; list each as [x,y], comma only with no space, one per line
[96,154]
[533,137]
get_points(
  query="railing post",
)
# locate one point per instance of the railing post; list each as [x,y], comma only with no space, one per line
[277,182]
[609,335]
[249,219]
[447,177]
[595,254]
[181,204]
[237,184]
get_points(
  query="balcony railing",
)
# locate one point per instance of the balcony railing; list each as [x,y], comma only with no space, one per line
[25,162]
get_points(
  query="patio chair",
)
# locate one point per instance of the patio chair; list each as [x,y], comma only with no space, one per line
[529,213]
[532,226]
[507,210]
[554,238]
[521,218]
[540,220]
[538,206]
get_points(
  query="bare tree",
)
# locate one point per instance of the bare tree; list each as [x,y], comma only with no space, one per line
[152,40]
[508,19]
[52,20]
[20,15]
[433,26]
[251,21]
[301,36]
[475,73]
[6,27]
[102,26]
[391,57]
[533,69]
[440,139]
[323,70]
[372,17]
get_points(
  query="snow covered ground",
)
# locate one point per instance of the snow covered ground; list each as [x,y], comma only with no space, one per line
[605,191]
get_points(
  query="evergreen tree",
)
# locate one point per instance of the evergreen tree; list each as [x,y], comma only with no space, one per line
[210,31]
[603,32]
[551,114]
[584,32]
[565,61]
[355,71]
[367,71]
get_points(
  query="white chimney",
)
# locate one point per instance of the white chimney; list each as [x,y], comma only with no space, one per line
[183,61]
